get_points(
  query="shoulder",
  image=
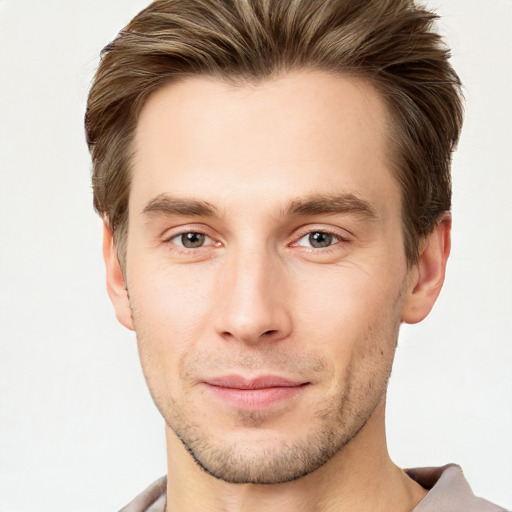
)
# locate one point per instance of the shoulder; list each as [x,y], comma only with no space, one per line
[449,491]
[151,499]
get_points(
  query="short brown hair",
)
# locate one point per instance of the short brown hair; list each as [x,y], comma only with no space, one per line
[390,43]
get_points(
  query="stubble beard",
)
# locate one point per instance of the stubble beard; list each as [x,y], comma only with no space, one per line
[235,463]
[334,424]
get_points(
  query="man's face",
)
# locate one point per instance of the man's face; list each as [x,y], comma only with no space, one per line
[265,268]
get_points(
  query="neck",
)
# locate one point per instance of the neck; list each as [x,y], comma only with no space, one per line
[358,478]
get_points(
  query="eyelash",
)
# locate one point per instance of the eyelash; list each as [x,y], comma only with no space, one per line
[339,240]
[188,250]
[214,243]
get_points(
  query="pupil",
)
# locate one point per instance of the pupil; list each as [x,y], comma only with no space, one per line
[191,240]
[320,240]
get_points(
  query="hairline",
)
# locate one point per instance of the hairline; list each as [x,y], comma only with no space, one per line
[240,80]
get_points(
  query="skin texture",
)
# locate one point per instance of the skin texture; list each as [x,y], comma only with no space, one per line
[257,175]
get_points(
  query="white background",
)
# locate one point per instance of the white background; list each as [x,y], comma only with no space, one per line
[78,429]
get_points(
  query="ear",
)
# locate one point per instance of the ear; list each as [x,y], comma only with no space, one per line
[116,286]
[426,278]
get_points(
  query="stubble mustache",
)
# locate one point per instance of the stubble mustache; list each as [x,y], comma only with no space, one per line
[268,360]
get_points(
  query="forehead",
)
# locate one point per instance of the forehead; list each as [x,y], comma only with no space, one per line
[302,133]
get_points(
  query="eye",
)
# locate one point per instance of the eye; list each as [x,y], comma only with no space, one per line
[318,240]
[191,240]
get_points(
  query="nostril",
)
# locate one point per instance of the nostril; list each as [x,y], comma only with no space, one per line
[271,331]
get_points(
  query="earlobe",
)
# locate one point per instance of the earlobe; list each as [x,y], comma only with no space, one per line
[427,277]
[116,286]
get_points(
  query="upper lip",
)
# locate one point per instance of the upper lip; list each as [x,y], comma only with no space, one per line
[261,382]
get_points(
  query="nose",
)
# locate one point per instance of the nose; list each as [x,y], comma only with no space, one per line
[252,298]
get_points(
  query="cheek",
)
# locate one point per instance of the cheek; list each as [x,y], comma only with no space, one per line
[349,315]
[170,312]
[345,298]
[170,298]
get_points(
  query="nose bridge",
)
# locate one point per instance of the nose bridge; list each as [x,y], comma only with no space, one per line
[252,296]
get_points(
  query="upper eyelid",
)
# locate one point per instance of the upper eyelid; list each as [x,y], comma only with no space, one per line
[340,240]
[211,241]
[179,248]
[181,233]
[186,231]
[323,231]
[298,233]
[168,236]
[175,231]
[341,233]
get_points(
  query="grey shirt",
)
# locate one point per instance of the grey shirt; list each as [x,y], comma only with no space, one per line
[448,492]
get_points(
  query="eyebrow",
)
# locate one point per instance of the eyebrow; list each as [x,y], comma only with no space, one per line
[323,204]
[167,205]
[327,204]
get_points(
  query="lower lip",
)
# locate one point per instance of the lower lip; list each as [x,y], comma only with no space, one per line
[256,399]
